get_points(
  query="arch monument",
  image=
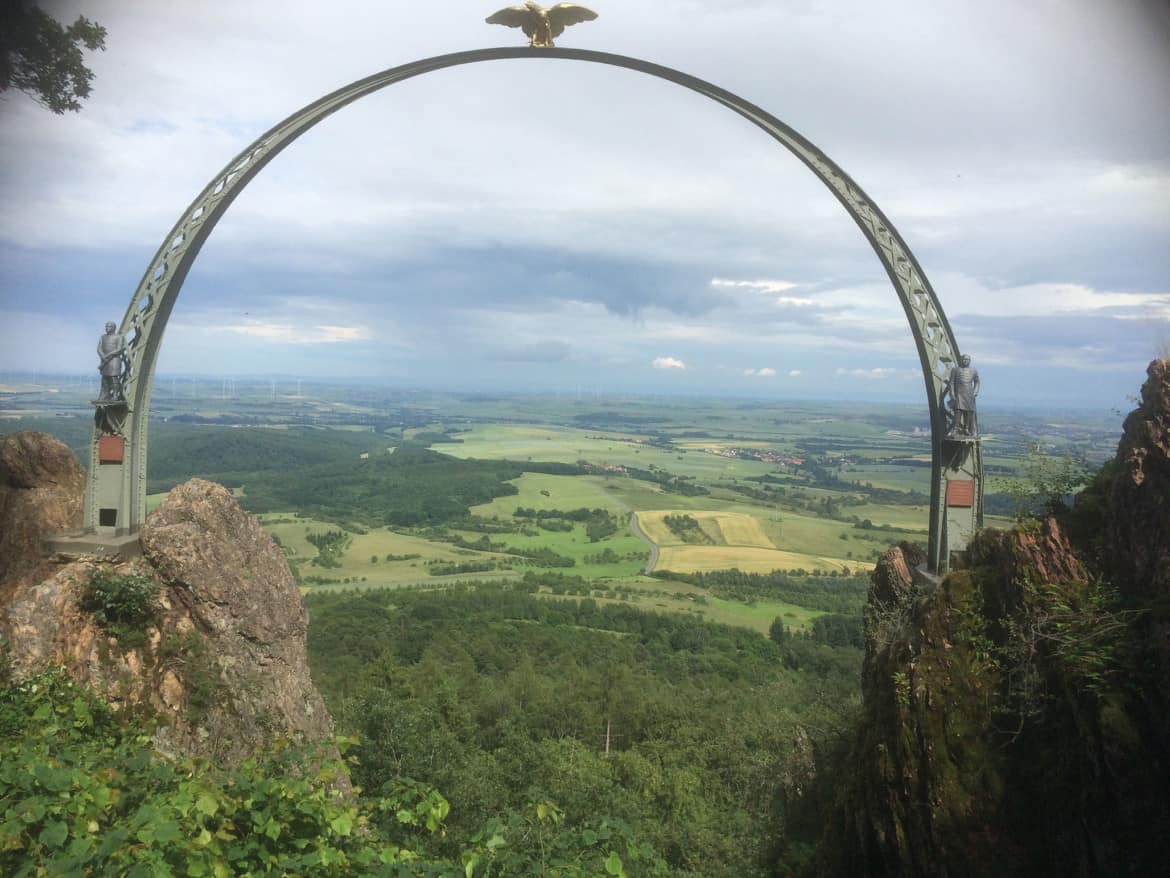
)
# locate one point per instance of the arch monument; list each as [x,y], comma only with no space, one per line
[115,502]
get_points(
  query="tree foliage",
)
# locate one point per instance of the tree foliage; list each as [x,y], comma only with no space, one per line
[410,487]
[676,728]
[43,57]
[1047,483]
[83,793]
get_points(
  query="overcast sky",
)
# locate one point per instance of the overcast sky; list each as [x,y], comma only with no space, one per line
[550,225]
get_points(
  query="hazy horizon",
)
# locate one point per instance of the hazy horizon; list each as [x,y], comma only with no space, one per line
[170,386]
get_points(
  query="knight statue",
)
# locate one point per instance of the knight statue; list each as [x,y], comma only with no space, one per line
[962,388]
[113,366]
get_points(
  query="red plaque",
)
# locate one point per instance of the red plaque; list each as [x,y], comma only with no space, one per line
[960,493]
[111,449]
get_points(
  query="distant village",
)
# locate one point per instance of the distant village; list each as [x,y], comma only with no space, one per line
[756,454]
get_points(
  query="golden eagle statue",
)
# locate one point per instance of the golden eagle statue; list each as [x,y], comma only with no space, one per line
[541,24]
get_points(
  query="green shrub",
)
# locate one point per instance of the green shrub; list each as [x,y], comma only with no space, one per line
[124,604]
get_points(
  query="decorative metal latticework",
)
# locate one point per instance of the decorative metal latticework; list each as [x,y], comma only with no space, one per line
[149,309]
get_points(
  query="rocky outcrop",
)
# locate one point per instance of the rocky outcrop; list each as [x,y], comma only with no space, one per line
[1138,524]
[1015,716]
[41,492]
[231,584]
[999,735]
[222,663]
[911,805]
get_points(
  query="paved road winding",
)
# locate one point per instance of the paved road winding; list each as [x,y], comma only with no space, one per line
[641,534]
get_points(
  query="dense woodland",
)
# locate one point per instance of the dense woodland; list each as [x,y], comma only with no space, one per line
[427,488]
[692,734]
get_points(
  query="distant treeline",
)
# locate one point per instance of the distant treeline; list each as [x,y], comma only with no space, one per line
[687,529]
[832,594]
[412,487]
[684,485]
[231,456]
[599,524]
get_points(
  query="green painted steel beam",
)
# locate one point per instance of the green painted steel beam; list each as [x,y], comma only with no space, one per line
[146,317]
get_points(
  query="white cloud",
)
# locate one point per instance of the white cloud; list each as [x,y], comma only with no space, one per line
[765,372]
[289,334]
[875,374]
[962,295]
[767,286]
[668,363]
[794,373]
[763,286]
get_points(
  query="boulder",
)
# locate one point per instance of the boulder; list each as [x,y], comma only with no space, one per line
[42,487]
[229,580]
[222,664]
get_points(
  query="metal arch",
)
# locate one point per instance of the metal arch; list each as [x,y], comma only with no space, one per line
[145,320]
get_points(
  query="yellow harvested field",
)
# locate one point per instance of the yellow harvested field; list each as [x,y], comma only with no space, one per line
[700,559]
[739,529]
[654,527]
[725,528]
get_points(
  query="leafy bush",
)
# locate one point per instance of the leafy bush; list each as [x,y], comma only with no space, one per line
[82,793]
[1047,485]
[122,603]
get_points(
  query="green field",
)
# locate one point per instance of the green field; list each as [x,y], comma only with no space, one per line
[692,457]
[357,564]
[568,445]
[541,491]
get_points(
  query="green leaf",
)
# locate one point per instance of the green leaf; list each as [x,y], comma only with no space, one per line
[55,780]
[342,824]
[589,836]
[54,834]
[206,804]
[613,864]
[166,832]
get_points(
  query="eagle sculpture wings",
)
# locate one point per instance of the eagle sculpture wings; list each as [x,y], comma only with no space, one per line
[540,24]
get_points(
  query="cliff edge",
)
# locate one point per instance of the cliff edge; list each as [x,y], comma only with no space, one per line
[219,656]
[1015,718]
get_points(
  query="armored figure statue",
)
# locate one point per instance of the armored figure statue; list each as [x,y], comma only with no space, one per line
[962,388]
[112,351]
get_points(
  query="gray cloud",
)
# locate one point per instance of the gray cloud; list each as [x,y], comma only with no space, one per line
[579,213]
